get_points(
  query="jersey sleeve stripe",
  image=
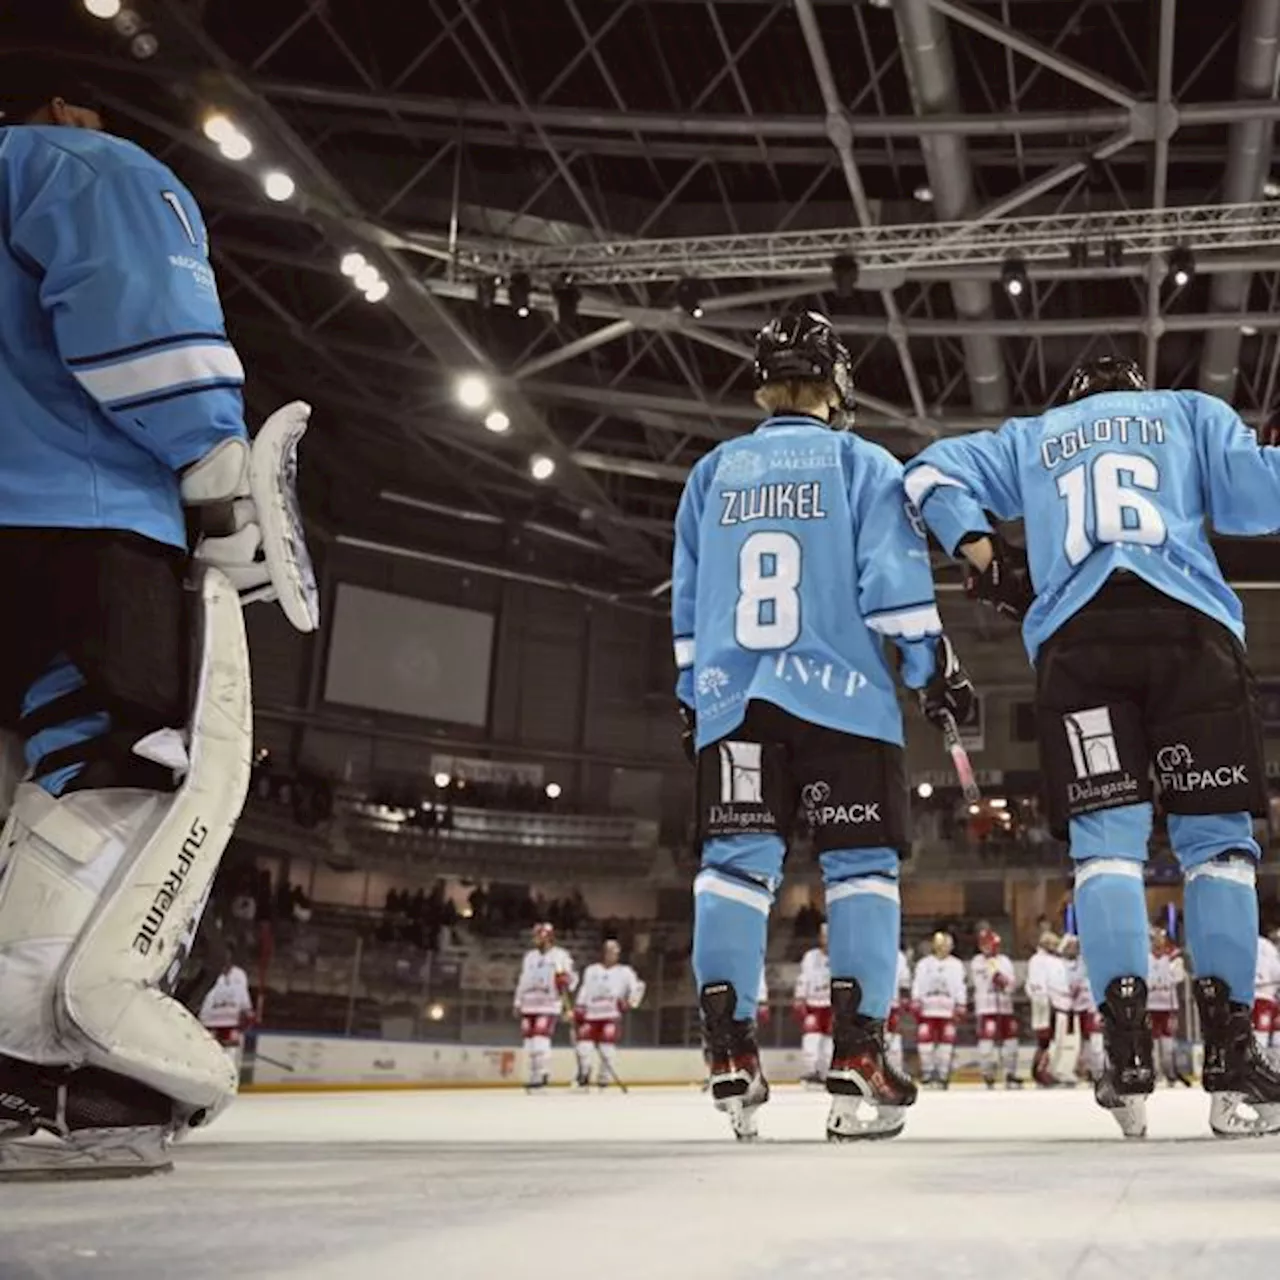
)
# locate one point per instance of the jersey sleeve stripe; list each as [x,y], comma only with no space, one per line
[710,883]
[907,624]
[155,344]
[920,482]
[163,371]
[195,388]
[684,647]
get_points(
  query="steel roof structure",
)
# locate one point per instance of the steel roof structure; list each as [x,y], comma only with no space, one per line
[648,179]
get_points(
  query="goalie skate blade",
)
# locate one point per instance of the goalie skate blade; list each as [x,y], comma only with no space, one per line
[845,1124]
[1131,1116]
[115,1156]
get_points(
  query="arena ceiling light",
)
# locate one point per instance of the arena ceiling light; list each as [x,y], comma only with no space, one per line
[377,291]
[472,391]
[278,185]
[104,9]
[497,422]
[352,263]
[442,780]
[844,274]
[924,193]
[541,467]
[689,295]
[519,289]
[1013,276]
[554,791]
[924,790]
[1182,266]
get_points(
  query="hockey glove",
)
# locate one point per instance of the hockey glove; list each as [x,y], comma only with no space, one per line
[244,506]
[949,695]
[689,733]
[1005,584]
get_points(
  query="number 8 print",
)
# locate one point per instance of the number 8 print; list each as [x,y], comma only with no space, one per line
[768,612]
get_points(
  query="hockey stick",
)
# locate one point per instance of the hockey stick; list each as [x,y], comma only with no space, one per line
[274,1062]
[960,759]
[608,1066]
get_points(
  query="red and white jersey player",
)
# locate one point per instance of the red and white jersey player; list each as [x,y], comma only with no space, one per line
[608,989]
[994,982]
[813,1009]
[547,980]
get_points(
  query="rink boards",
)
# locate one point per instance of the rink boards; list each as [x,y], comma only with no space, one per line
[287,1062]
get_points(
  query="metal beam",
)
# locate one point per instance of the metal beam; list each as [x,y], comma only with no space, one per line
[1160,179]
[1248,164]
[420,311]
[1029,48]
[839,129]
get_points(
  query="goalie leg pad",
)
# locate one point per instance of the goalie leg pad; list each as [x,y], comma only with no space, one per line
[100,886]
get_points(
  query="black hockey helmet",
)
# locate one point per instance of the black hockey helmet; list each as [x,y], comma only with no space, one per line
[1105,373]
[803,346]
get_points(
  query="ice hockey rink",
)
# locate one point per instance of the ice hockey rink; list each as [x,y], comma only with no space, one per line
[494,1183]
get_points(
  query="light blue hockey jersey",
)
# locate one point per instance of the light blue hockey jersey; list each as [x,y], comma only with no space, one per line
[796,554]
[115,369]
[1120,480]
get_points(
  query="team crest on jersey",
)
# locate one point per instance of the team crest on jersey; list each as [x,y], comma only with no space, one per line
[740,466]
[712,682]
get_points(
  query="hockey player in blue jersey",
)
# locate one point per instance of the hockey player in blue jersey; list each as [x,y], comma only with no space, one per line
[796,557]
[1137,643]
[123,664]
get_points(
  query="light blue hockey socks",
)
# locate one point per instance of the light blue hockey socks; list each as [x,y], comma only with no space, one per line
[732,896]
[1222,922]
[864,917]
[1111,912]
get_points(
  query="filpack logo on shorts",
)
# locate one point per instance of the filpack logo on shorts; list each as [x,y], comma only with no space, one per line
[742,806]
[1174,769]
[1094,754]
[821,813]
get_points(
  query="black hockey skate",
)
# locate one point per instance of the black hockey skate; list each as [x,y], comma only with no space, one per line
[869,1095]
[1129,1074]
[1241,1078]
[1012,1081]
[103,1125]
[737,1082]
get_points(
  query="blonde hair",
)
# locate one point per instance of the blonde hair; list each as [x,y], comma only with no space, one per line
[796,394]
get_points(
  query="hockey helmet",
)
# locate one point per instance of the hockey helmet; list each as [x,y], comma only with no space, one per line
[1069,946]
[803,346]
[942,944]
[1049,941]
[989,942]
[544,931]
[1105,373]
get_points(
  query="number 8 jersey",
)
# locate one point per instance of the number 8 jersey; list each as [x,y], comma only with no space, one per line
[796,555]
[1119,480]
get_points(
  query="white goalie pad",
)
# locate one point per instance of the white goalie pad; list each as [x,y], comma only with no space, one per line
[273,482]
[102,884]
[1064,1052]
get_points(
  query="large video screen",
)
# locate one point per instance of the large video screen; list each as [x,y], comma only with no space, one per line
[411,657]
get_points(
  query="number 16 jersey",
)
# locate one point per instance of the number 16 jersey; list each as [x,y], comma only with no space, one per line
[796,556]
[1124,480]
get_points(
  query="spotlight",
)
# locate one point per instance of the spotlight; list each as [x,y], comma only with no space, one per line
[1013,275]
[144,46]
[924,193]
[442,780]
[236,147]
[367,277]
[518,290]
[1112,253]
[541,467]
[689,295]
[472,391]
[497,422]
[567,296]
[278,185]
[436,1013]
[924,790]
[105,9]
[353,263]
[1271,188]
[1182,266]
[487,291]
[1078,254]
[127,23]
[844,274]
[218,128]
[377,291]
[554,791]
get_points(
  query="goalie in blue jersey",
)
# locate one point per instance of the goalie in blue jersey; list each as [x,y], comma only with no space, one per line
[135,519]
[797,555]
[1138,647]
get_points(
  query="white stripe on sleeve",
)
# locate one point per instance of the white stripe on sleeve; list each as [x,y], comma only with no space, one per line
[921,481]
[907,624]
[684,652]
[160,371]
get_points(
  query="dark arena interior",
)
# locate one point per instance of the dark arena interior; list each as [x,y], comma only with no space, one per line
[515,254]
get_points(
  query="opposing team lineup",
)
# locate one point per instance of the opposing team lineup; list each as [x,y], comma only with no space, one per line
[801,548]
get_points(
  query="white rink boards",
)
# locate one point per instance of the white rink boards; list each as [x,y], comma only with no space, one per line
[495,1184]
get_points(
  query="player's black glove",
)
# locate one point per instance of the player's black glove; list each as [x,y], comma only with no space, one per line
[689,732]
[949,693]
[1005,584]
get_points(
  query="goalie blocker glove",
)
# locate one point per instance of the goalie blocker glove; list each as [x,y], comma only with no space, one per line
[1005,584]
[948,695]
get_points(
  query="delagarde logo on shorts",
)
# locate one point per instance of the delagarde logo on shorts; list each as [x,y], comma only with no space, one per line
[1176,774]
[1094,753]
[816,796]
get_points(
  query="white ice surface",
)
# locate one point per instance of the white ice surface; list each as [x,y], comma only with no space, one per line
[451,1186]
